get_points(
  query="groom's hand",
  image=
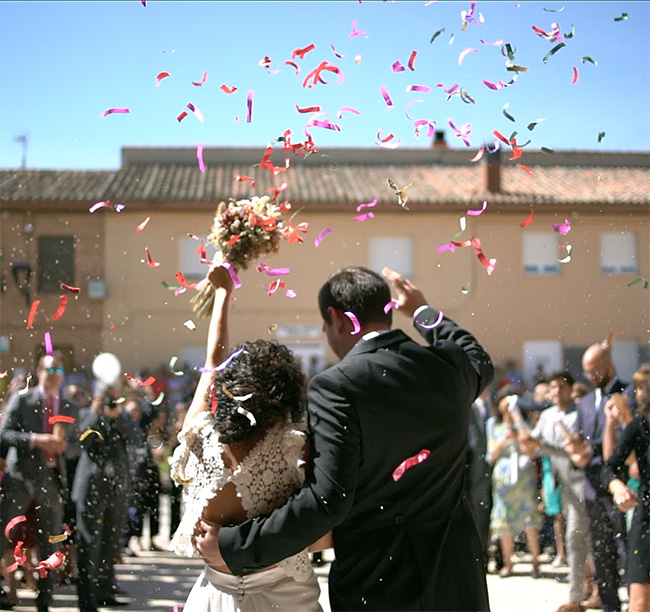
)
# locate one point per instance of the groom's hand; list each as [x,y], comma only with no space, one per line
[206,543]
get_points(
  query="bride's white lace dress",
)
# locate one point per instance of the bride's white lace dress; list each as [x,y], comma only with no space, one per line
[264,480]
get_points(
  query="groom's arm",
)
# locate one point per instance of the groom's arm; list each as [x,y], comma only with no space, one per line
[324,500]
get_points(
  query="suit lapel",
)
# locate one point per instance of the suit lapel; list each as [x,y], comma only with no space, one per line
[393,336]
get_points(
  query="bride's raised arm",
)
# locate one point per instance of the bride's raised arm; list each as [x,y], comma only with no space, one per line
[217,343]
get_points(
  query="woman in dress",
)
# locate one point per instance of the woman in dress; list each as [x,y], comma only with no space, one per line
[514,483]
[242,454]
[635,437]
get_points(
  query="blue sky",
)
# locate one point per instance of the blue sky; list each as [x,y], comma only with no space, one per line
[63,63]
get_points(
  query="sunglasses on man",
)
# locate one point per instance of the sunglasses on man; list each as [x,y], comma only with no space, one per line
[57,370]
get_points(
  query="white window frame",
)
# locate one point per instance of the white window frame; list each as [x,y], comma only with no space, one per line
[618,253]
[395,252]
[540,254]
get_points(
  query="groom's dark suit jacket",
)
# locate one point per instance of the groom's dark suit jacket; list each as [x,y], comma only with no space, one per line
[409,544]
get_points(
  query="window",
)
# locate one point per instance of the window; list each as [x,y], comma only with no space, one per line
[55,262]
[394,252]
[618,253]
[190,260]
[541,253]
[541,356]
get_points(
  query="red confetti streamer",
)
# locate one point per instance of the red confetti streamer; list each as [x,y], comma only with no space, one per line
[295,66]
[202,81]
[181,279]
[389,306]
[575,75]
[110,111]
[142,383]
[234,239]
[409,463]
[275,285]
[12,523]
[249,106]
[526,168]
[150,261]
[478,155]
[412,60]
[160,77]
[300,53]
[500,136]
[65,287]
[388,138]
[63,302]
[142,225]
[355,322]
[488,264]
[53,562]
[60,418]
[228,90]
[315,74]
[292,234]
[339,55]
[143,3]
[32,313]
[529,220]
[243,179]
[182,116]
[199,156]
[213,399]
[276,191]
[308,109]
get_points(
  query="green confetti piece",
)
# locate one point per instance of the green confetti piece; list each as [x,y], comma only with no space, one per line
[521,146]
[436,34]
[465,289]
[572,33]
[463,227]
[170,287]
[533,124]
[516,68]
[508,51]
[506,113]
[586,59]
[623,17]
[601,135]
[513,136]
[566,259]
[553,10]
[547,150]
[553,51]
[639,279]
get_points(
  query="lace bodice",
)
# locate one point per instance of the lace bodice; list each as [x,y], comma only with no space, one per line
[264,479]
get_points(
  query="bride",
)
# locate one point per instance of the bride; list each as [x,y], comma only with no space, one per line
[242,453]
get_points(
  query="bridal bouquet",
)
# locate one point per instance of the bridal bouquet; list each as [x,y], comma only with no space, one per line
[244,231]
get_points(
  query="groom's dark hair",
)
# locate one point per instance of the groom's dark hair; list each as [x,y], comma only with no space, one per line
[358,290]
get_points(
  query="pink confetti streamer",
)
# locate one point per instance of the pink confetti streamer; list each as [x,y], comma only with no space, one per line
[319,238]
[389,306]
[464,53]
[47,338]
[356,32]
[397,66]
[408,105]
[98,205]
[355,322]
[476,213]
[430,129]
[199,156]
[160,77]
[435,324]
[347,109]
[478,155]
[386,96]
[231,270]
[202,81]
[446,247]
[328,125]
[290,293]
[367,205]
[142,225]
[389,145]
[197,113]
[496,43]
[249,105]
[409,463]
[262,267]
[110,111]
[422,88]
[562,228]
[364,217]
[461,132]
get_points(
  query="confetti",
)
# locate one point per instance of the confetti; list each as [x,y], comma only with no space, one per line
[69,288]
[464,53]
[567,258]
[356,32]
[202,81]
[160,77]
[233,275]
[411,61]
[601,135]
[389,306]
[98,205]
[575,75]
[16,520]
[25,389]
[316,77]
[228,90]
[159,399]
[319,238]
[622,17]
[525,168]
[150,260]
[355,322]
[553,51]
[437,322]
[47,340]
[172,366]
[294,66]
[199,156]
[197,113]
[249,105]
[586,59]
[89,432]
[562,228]
[409,463]
[141,383]
[142,225]
[529,220]
[110,111]
[386,96]
[32,313]
[462,132]
[639,279]
[446,247]
[60,418]
[347,109]
[181,116]
[181,279]
[422,88]
[364,217]
[533,124]
[367,205]
[190,325]
[465,289]
[436,34]
[506,113]
[224,364]
[300,53]
[462,222]
[248,415]
[401,194]
[339,55]
[262,267]
[478,155]
[290,293]
[476,213]
[308,109]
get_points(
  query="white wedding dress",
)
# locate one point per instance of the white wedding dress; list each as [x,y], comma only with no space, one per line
[264,480]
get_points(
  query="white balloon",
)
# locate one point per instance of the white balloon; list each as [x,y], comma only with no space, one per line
[107,368]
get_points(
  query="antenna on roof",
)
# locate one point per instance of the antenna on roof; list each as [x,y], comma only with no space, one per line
[24,138]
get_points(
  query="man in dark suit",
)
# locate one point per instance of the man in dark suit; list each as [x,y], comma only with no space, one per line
[35,472]
[586,451]
[100,492]
[388,428]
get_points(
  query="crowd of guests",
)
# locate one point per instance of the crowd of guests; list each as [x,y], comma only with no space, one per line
[565,463]
[81,461]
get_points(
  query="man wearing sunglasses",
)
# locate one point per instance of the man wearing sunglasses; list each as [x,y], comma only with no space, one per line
[34,429]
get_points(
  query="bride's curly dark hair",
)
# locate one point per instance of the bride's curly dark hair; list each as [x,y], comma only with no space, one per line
[271,375]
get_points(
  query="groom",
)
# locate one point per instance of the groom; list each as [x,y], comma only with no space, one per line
[388,427]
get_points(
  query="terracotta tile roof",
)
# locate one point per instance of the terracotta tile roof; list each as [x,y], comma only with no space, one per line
[321,182]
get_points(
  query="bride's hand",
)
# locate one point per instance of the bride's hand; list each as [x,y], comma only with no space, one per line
[220,277]
[206,542]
